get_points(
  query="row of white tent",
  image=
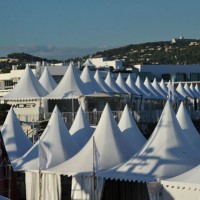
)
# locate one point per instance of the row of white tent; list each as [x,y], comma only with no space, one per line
[124,154]
[72,86]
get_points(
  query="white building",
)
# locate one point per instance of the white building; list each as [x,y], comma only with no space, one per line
[104,63]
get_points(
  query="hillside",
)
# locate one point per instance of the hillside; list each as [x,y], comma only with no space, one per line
[182,52]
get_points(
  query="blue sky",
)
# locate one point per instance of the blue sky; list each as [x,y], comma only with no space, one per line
[71,28]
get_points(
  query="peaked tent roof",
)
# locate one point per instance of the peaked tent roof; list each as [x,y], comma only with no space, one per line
[152,89]
[197,88]
[28,87]
[47,81]
[176,93]
[122,84]
[102,83]
[188,127]
[112,84]
[15,140]
[197,94]
[130,130]
[167,153]
[159,89]
[71,86]
[189,91]
[88,63]
[57,140]
[89,81]
[163,86]
[80,130]
[181,90]
[110,144]
[133,87]
[143,88]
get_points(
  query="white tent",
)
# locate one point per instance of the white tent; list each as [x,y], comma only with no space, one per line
[89,81]
[153,91]
[15,140]
[197,88]
[122,84]
[112,84]
[70,86]
[47,81]
[110,144]
[177,95]
[164,86]
[189,91]
[158,88]
[80,130]
[28,87]
[181,90]
[102,83]
[133,87]
[130,130]
[197,94]
[58,142]
[188,127]
[167,153]
[143,88]
[88,63]
[182,187]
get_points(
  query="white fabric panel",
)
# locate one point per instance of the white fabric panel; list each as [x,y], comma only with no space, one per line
[51,187]
[32,185]
[83,188]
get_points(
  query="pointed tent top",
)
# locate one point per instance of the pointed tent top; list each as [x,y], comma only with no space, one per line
[143,88]
[112,84]
[167,153]
[180,89]
[163,86]
[189,91]
[15,140]
[110,144]
[194,90]
[88,63]
[28,87]
[130,130]
[159,89]
[152,89]
[47,81]
[58,141]
[89,81]
[176,93]
[188,127]
[132,85]
[102,83]
[80,129]
[71,86]
[197,88]
[122,84]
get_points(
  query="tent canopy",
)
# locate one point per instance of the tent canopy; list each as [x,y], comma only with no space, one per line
[58,142]
[28,87]
[167,153]
[15,140]
[110,145]
[71,86]
[47,81]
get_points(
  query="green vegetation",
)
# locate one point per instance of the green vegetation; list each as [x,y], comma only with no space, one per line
[165,52]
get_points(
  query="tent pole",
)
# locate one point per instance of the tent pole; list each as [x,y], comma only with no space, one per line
[94,174]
